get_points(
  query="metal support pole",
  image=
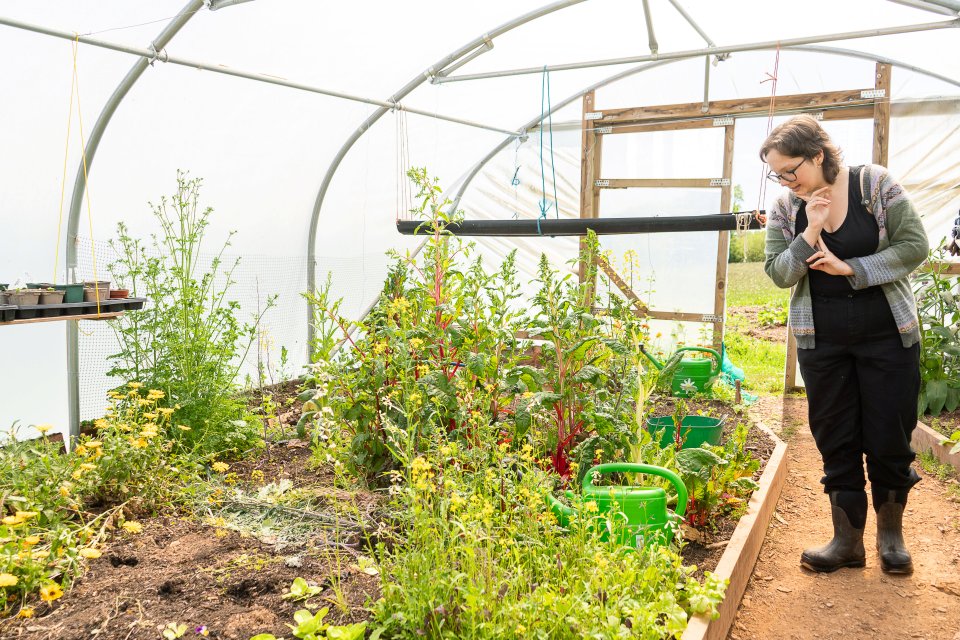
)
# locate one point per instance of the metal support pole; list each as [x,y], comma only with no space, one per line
[431,73]
[651,36]
[157,52]
[693,53]
[79,186]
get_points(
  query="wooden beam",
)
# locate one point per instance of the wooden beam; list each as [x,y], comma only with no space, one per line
[723,241]
[740,556]
[737,107]
[658,183]
[942,268]
[622,285]
[881,116]
[926,439]
[706,123]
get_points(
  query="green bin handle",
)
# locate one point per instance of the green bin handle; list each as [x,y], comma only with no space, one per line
[637,467]
[718,358]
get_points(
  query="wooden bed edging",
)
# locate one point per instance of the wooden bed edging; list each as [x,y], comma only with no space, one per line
[738,559]
[926,439]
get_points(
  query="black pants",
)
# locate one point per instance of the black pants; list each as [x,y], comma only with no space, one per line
[862,388]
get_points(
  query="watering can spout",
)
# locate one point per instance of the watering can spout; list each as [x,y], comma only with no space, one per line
[659,365]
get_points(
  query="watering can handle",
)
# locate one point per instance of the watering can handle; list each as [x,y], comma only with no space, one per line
[636,467]
[717,356]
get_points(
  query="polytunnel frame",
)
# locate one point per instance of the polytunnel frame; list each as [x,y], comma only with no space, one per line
[485,42]
[437,73]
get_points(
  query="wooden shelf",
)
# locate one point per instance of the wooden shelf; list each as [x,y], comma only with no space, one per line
[84,316]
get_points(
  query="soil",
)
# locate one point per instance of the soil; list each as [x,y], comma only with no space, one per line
[750,314]
[189,572]
[783,600]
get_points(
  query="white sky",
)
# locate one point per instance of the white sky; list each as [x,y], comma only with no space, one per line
[263,150]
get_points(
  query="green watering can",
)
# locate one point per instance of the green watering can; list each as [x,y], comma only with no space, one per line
[641,511]
[692,375]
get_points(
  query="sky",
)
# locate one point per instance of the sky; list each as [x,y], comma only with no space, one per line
[263,150]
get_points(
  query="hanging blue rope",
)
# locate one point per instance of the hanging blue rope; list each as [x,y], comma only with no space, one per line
[546,113]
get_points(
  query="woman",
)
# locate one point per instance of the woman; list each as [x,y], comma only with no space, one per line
[847,238]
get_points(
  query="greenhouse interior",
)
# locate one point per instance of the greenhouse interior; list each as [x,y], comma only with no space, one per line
[479,320]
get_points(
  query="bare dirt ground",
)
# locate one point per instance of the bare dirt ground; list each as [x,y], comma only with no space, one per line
[785,601]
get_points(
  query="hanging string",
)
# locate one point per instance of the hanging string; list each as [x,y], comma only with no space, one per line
[404,195]
[772,79]
[63,180]
[86,181]
[515,181]
[546,112]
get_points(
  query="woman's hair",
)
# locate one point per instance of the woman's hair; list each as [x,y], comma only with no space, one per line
[803,137]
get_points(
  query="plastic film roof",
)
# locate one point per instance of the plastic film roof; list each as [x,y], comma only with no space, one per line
[263,150]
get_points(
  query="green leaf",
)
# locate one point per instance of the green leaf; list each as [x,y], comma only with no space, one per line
[936,395]
[697,462]
[589,374]
[264,636]
[477,364]
[579,350]
[347,632]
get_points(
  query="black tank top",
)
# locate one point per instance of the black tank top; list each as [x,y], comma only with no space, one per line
[858,236]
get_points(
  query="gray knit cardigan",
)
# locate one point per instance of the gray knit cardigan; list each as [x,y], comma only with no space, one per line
[902,248]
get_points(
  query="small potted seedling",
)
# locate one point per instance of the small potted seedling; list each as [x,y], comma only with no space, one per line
[96,290]
[23,297]
[119,293]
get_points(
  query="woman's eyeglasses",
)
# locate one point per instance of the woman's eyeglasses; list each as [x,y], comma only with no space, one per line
[786,176]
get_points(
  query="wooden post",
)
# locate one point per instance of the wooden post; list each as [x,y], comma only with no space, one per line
[723,240]
[588,169]
[881,116]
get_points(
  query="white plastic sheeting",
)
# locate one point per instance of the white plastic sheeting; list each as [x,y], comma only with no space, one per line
[263,150]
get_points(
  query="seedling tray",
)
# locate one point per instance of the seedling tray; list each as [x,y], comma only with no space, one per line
[7,312]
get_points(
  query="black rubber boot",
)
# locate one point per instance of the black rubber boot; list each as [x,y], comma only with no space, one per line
[889,505]
[849,513]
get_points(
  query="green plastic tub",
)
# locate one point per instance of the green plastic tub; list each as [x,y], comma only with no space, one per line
[694,430]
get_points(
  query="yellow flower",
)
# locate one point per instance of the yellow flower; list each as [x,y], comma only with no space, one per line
[135,385]
[25,612]
[26,515]
[138,443]
[150,416]
[43,428]
[12,521]
[90,553]
[88,466]
[183,427]
[51,592]
[65,489]
[165,411]
[8,580]
[131,526]
[100,423]
[81,450]
[149,431]
[94,444]
[590,507]
[220,467]
[31,540]
[156,394]
[40,555]
[256,475]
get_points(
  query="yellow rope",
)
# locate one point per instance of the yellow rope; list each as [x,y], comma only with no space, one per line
[86,181]
[66,153]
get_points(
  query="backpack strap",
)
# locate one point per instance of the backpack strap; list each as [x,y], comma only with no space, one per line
[858,174]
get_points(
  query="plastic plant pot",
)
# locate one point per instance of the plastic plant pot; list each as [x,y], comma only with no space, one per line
[48,296]
[694,430]
[72,292]
[119,293]
[95,294]
[23,297]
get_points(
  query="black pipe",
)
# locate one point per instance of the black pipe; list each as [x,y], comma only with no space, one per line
[578,226]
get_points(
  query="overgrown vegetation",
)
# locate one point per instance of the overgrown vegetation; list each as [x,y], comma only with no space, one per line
[937,303]
[188,341]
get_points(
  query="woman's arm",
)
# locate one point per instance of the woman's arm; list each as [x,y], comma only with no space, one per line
[908,240]
[786,260]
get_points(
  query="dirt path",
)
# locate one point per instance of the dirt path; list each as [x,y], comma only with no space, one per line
[785,601]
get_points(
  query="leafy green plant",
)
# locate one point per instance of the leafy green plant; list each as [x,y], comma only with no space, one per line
[311,626]
[484,557]
[773,315]
[188,340]
[439,342]
[937,303]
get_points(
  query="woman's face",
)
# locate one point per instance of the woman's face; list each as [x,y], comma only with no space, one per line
[801,175]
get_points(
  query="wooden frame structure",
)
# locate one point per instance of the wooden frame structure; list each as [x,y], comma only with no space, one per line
[866,103]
